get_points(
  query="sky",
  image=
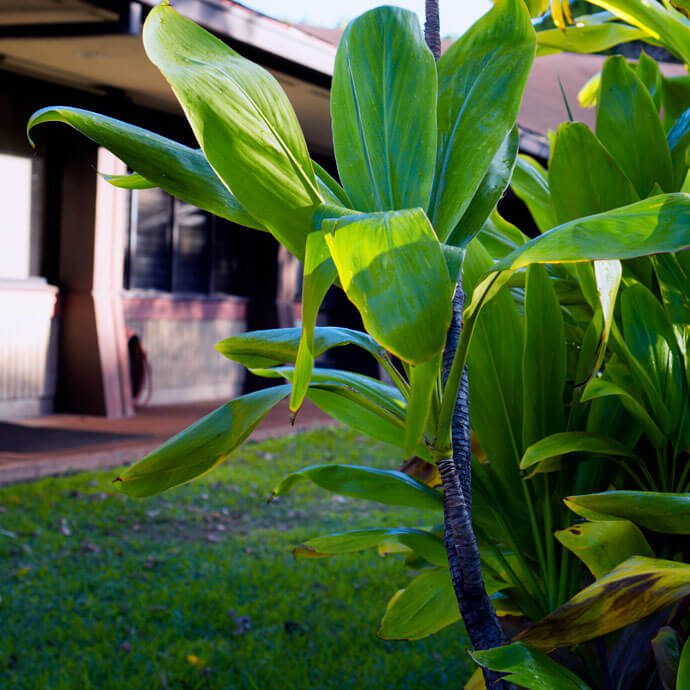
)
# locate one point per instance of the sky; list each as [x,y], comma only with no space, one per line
[456,15]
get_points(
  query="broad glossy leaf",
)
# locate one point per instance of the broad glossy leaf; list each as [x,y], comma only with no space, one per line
[666,646]
[572,442]
[528,668]
[683,679]
[423,380]
[657,225]
[272,347]
[384,486]
[243,122]
[543,359]
[489,192]
[651,340]
[584,179]
[655,511]
[633,590]
[178,170]
[199,448]
[586,38]
[628,126]
[392,268]
[383,108]
[424,607]
[530,182]
[484,71]
[319,275]
[425,544]
[601,546]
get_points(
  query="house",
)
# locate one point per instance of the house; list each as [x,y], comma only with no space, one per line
[85,267]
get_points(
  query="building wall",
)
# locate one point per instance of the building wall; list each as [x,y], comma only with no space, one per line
[28,348]
[178,337]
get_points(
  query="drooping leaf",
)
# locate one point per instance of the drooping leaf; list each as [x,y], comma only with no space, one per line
[319,274]
[568,442]
[489,192]
[601,546]
[628,126]
[669,27]
[528,668]
[530,182]
[636,588]
[199,448]
[586,38]
[543,359]
[485,70]
[387,398]
[666,646]
[659,512]
[178,170]
[392,268]
[383,107]
[272,347]
[425,544]
[243,122]
[424,607]
[356,412]
[383,486]
[657,225]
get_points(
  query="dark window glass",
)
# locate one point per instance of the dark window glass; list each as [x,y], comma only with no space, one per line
[150,256]
[192,249]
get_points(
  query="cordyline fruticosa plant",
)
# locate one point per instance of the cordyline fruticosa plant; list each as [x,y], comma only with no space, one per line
[424,151]
[605,428]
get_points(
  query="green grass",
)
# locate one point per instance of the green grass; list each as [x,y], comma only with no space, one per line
[198,588]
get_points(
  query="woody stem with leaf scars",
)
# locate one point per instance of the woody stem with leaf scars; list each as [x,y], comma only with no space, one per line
[477,611]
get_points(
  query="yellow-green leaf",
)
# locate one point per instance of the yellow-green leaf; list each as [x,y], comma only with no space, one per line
[601,546]
[636,588]
[243,122]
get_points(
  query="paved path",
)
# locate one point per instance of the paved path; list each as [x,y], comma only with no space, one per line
[56,444]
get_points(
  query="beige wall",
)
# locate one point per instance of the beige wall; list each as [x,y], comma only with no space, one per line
[28,348]
[183,362]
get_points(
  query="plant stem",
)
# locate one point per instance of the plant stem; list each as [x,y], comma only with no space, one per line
[476,609]
[432,28]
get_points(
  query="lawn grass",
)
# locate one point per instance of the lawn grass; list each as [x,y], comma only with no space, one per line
[198,588]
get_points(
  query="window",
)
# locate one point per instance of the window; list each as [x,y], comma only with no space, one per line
[178,248]
[19,206]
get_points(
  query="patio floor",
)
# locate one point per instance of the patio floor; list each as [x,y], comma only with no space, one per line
[55,444]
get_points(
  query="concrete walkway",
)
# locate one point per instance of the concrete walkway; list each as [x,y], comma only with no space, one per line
[55,444]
